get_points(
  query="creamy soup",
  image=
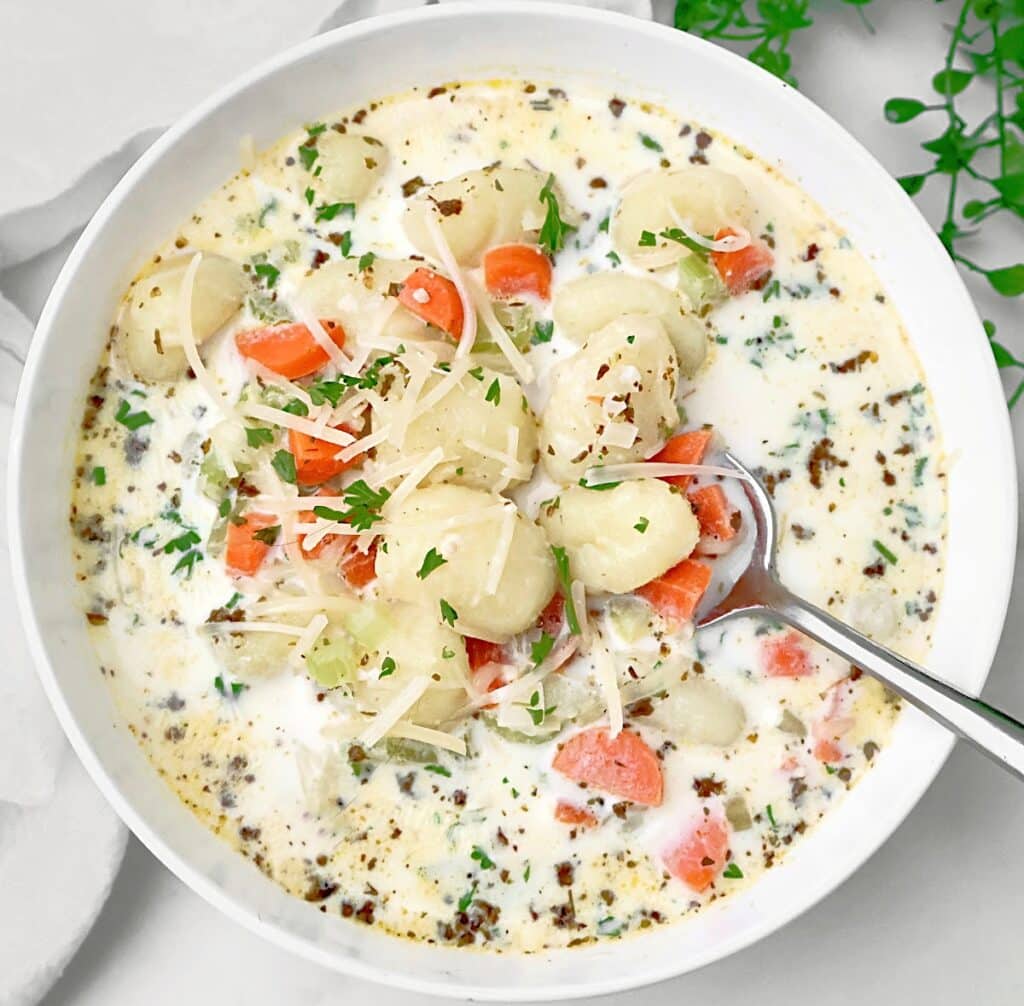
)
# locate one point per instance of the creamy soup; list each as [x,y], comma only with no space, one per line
[399,489]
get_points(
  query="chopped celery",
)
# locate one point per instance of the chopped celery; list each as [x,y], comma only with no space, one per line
[213,478]
[368,624]
[404,750]
[630,618]
[515,736]
[333,660]
[700,283]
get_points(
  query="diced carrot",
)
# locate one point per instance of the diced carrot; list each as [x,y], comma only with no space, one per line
[435,299]
[308,517]
[742,270]
[701,853]
[684,449]
[489,677]
[244,553]
[359,568]
[510,270]
[570,813]
[785,656]
[315,459]
[713,512]
[553,615]
[826,750]
[289,350]
[676,594]
[480,652]
[625,766]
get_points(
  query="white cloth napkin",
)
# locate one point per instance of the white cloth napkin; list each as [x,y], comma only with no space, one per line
[60,843]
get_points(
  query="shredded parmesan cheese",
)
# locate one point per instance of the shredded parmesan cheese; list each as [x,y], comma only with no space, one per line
[604,474]
[729,243]
[309,636]
[518,362]
[394,710]
[282,628]
[448,260]
[412,480]
[298,423]
[498,560]
[427,735]
[607,678]
[322,339]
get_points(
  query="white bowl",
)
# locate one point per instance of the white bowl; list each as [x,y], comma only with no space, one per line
[567,44]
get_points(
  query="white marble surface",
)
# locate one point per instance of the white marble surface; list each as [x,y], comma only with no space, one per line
[933,917]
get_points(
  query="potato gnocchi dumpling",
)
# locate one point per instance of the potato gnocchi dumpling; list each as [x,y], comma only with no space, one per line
[697,711]
[479,209]
[485,428]
[349,166]
[704,199]
[589,303]
[419,643]
[614,401]
[469,529]
[150,329]
[619,539]
[358,298]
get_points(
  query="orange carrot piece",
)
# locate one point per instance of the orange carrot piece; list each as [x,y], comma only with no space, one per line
[289,350]
[786,656]
[511,270]
[700,855]
[360,568]
[713,512]
[676,594]
[244,553]
[742,270]
[551,618]
[315,460]
[625,766]
[480,652]
[435,299]
[684,449]
[828,751]
[570,813]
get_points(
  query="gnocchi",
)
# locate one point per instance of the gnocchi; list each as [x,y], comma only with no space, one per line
[498,571]
[614,401]
[696,711]
[619,539]
[589,303]
[485,428]
[150,331]
[705,199]
[349,166]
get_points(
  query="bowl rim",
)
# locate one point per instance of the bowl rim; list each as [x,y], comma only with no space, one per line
[999,584]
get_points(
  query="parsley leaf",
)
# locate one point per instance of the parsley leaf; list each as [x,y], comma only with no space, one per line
[477,373]
[599,487]
[308,156]
[642,525]
[326,391]
[283,463]
[267,272]
[647,239]
[387,667]
[467,899]
[542,332]
[438,770]
[562,568]
[733,872]
[363,505]
[554,230]
[328,211]
[99,476]
[540,649]
[310,195]
[431,561]
[494,393]
[365,261]
[651,143]
[448,613]
[296,407]
[182,543]
[236,687]
[187,563]
[257,436]
[485,861]
[267,535]
[887,554]
[131,420]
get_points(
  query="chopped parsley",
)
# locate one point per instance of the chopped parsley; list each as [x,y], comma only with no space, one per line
[438,770]
[283,463]
[236,687]
[477,373]
[365,261]
[919,467]
[267,535]
[771,817]
[328,211]
[182,543]
[267,272]
[733,872]
[599,487]
[326,391]
[431,561]
[308,156]
[642,525]
[448,613]
[481,857]
[613,257]
[562,568]
[346,243]
[651,143]
[554,230]
[467,899]
[296,407]
[542,332]
[541,648]
[99,476]
[886,553]
[131,420]
[310,195]
[494,393]
[648,239]
[233,600]
[387,667]
[188,562]
[604,224]
[537,712]
[363,504]
[257,436]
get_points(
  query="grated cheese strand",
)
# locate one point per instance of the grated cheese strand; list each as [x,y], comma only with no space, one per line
[607,678]
[496,565]
[322,339]
[518,362]
[427,735]
[298,423]
[281,628]
[412,480]
[394,710]
[729,243]
[602,475]
[309,636]
[448,260]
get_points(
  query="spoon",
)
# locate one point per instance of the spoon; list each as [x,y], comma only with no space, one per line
[994,733]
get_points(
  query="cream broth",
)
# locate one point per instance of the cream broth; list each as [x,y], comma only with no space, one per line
[478,818]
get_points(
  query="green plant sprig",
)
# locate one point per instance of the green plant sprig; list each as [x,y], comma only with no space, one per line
[987,41]
[769,24]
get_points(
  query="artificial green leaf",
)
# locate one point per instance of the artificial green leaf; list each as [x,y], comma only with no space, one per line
[900,110]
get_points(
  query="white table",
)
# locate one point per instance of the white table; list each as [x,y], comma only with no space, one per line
[934,917]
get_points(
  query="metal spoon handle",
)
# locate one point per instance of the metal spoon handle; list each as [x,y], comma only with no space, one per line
[991,731]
